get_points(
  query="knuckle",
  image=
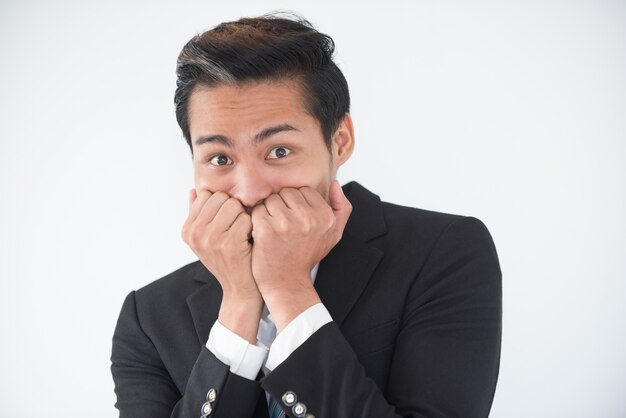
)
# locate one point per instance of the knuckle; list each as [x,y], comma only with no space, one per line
[222,245]
[233,203]
[289,192]
[271,199]
[307,223]
[256,210]
[219,195]
[283,225]
[211,240]
[259,230]
[194,239]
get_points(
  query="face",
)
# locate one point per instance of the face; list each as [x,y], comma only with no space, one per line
[253,140]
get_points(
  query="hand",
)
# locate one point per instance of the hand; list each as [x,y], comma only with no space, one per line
[293,230]
[218,230]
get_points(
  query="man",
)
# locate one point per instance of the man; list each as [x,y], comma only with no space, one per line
[305,301]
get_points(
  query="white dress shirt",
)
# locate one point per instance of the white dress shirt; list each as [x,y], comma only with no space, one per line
[246,360]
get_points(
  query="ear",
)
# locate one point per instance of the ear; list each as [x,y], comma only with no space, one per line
[343,141]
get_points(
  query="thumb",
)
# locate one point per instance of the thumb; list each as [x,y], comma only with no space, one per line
[341,206]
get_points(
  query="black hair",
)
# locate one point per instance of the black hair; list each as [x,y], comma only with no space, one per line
[267,48]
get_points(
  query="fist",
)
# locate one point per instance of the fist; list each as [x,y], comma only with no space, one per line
[293,230]
[218,231]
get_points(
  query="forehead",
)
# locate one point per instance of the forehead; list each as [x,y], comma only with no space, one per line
[251,105]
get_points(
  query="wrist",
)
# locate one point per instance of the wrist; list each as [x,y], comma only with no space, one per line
[241,315]
[286,303]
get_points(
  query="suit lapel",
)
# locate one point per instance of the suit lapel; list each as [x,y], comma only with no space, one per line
[346,270]
[343,274]
[204,303]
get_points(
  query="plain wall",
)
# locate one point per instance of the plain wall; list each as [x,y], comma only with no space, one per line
[510,111]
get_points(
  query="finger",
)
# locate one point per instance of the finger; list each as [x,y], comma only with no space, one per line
[259,216]
[293,198]
[340,204]
[259,211]
[313,198]
[192,197]
[227,213]
[275,205]
[198,203]
[242,226]
[210,208]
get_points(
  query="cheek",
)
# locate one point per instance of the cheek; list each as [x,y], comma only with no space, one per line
[298,176]
[282,177]
[208,181]
[275,178]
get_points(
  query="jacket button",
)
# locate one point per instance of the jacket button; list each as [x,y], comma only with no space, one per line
[299,410]
[206,409]
[289,398]
[211,395]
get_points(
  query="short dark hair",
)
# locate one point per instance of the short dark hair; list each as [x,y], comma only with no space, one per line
[268,48]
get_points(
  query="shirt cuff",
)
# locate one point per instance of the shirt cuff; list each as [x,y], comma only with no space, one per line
[244,359]
[296,333]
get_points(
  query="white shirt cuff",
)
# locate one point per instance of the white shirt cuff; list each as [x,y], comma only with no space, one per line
[296,333]
[244,359]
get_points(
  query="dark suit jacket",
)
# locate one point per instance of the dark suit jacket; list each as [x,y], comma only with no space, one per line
[415,298]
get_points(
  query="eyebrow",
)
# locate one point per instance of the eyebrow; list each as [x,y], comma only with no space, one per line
[259,137]
[213,138]
[272,130]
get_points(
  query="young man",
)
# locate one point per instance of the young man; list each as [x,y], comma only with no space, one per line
[305,301]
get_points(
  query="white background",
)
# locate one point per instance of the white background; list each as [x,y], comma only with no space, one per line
[510,111]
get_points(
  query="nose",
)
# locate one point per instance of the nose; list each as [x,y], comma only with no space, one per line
[251,186]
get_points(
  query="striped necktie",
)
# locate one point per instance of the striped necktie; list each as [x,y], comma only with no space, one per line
[275,410]
[267,334]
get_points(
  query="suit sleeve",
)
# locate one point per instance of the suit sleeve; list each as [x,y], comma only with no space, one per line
[145,389]
[447,352]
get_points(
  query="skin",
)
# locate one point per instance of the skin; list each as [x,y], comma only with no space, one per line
[266,207]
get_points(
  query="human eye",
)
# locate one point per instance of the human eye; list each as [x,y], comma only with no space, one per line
[278,152]
[220,160]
